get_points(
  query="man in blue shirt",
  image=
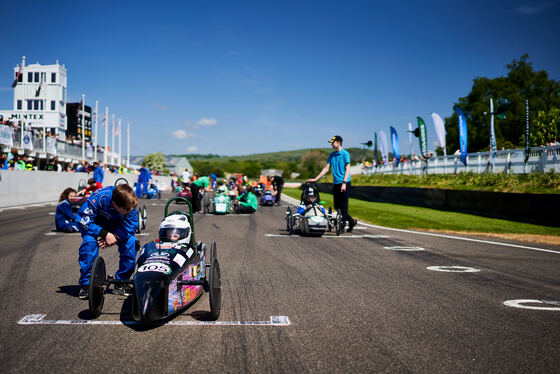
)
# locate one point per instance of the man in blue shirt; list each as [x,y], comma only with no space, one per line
[339,160]
[108,217]
[98,173]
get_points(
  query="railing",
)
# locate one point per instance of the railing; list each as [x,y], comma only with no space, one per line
[506,161]
[64,151]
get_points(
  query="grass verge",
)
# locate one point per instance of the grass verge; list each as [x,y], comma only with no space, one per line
[410,217]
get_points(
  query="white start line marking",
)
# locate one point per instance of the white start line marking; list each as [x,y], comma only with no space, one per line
[453,269]
[543,304]
[326,236]
[404,248]
[39,319]
[78,234]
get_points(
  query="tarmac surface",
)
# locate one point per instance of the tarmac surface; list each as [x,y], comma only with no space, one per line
[367,301]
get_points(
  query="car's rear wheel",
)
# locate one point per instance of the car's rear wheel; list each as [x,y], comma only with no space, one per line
[215,289]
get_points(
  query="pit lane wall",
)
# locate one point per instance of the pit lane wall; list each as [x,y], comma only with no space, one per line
[20,188]
[532,208]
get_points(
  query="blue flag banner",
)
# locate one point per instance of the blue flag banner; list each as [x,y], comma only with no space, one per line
[462,134]
[395,143]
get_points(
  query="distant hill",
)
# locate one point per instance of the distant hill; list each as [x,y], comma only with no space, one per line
[356,154]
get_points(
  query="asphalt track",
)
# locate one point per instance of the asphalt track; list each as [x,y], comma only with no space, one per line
[355,303]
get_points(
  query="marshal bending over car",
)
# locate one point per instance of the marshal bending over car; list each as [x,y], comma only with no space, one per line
[310,217]
[171,273]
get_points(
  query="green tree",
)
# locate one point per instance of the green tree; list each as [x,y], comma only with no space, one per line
[311,163]
[509,93]
[546,127]
[155,161]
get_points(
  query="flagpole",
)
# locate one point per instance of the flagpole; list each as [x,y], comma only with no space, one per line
[83,128]
[106,137]
[128,145]
[120,136]
[96,123]
[112,139]
[492,150]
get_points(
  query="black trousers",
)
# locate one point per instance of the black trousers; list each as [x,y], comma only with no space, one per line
[278,194]
[341,201]
[245,209]
[195,191]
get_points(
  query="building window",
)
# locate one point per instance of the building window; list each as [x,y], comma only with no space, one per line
[35,104]
[53,105]
[37,77]
[29,104]
[30,77]
[53,77]
[19,105]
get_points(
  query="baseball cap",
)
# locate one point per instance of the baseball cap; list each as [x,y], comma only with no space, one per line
[336,138]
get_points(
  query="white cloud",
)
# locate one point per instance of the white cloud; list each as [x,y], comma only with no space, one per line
[207,122]
[163,108]
[192,149]
[529,10]
[180,134]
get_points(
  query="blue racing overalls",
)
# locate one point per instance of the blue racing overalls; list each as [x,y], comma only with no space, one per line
[98,214]
[64,217]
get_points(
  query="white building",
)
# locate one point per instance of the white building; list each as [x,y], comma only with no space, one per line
[40,96]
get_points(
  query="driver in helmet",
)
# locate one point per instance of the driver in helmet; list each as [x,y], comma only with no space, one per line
[310,198]
[175,229]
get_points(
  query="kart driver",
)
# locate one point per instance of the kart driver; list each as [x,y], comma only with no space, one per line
[309,200]
[175,228]
[108,217]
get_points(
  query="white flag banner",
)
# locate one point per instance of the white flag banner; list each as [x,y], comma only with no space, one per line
[51,146]
[440,131]
[383,144]
[27,140]
[6,133]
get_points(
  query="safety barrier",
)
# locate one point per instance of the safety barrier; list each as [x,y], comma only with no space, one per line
[18,187]
[534,208]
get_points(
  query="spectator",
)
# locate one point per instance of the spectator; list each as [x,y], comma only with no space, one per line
[98,173]
[186,176]
[339,159]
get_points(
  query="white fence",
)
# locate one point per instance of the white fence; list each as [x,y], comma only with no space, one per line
[507,161]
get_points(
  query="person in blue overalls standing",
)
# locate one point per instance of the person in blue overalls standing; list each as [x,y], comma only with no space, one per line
[64,217]
[143,179]
[108,217]
[98,173]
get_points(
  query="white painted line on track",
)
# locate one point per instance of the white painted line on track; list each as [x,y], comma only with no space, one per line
[453,269]
[21,207]
[38,319]
[447,236]
[404,248]
[52,213]
[318,237]
[78,234]
[549,304]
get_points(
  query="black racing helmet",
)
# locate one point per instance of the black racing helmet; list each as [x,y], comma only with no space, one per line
[310,195]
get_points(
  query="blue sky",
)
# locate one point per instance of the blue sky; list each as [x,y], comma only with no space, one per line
[241,77]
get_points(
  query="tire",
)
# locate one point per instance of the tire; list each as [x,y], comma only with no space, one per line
[213,251]
[144,217]
[97,283]
[289,225]
[339,227]
[139,229]
[215,289]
